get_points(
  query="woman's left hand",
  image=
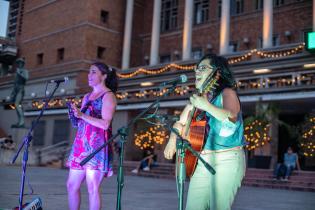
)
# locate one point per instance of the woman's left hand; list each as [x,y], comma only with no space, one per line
[200,102]
[76,111]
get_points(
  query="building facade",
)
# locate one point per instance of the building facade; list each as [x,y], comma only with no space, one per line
[157,40]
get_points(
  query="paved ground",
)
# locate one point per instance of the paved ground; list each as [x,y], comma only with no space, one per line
[139,193]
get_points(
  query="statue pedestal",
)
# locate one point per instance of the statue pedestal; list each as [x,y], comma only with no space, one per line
[18,135]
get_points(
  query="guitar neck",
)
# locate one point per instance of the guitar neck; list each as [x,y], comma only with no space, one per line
[191,115]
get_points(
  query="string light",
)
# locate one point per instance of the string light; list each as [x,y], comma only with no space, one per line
[156,71]
[56,103]
[61,103]
[308,136]
[280,81]
[181,91]
[244,57]
[285,80]
[153,135]
[281,53]
[231,60]
[257,134]
[122,96]
[302,79]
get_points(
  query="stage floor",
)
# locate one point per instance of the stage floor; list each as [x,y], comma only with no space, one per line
[139,193]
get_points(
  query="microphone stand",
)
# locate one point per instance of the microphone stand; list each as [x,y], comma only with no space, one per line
[181,146]
[123,133]
[26,142]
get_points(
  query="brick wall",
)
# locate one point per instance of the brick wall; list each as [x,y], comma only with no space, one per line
[74,25]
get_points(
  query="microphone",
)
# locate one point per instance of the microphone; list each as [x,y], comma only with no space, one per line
[181,79]
[65,80]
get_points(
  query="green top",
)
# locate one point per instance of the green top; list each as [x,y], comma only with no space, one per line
[224,134]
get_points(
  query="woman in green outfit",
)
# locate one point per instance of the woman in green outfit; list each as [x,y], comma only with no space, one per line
[223,139]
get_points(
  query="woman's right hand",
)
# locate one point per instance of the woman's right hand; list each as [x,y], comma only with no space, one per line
[76,111]
[170,149]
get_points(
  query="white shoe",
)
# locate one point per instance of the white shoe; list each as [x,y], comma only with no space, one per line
[146,168]
[135,171]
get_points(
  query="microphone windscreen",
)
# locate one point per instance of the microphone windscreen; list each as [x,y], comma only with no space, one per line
[183,78]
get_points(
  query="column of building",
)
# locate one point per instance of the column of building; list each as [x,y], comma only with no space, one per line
[155,36]
[272,148]
[127,35]
[187,32]
[267,23]
[225,27]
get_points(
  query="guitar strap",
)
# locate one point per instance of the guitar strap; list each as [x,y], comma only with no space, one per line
[207,129]
[203,116]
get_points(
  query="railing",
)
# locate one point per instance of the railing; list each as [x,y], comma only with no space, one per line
[277,80]
[7,41]
[56,151]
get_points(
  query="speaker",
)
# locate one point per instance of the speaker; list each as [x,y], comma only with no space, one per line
[36,204]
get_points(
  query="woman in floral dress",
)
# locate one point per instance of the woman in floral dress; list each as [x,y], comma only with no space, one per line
[93,130]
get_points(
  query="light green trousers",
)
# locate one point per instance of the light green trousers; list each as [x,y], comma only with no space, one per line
[216,192]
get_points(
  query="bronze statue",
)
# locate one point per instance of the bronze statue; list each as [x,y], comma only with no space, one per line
[18,91]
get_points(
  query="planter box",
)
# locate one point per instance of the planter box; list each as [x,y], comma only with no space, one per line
[259,161]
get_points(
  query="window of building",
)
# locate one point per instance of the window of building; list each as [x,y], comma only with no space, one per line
[104,16]
[201,13]
[39,134]
[101,52]
[40,58]
[176,55]
[61,131]
[60,54]
[196,53]
[169,13]
[259,42]
[21,17]
[259,4]
[219,8]
[165,58]
[277,3]
[237,7]
[233,46]
[275,40]
[146,59]
[209,48]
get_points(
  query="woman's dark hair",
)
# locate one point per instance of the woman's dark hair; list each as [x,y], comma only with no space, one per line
[111,80]
[219,63]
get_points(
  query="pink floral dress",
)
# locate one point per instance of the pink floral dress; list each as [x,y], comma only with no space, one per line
[89,138]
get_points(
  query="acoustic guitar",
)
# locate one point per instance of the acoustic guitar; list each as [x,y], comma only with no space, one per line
[195,129]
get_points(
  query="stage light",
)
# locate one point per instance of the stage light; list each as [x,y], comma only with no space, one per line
[146,84]
[261,71]
[309,65]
